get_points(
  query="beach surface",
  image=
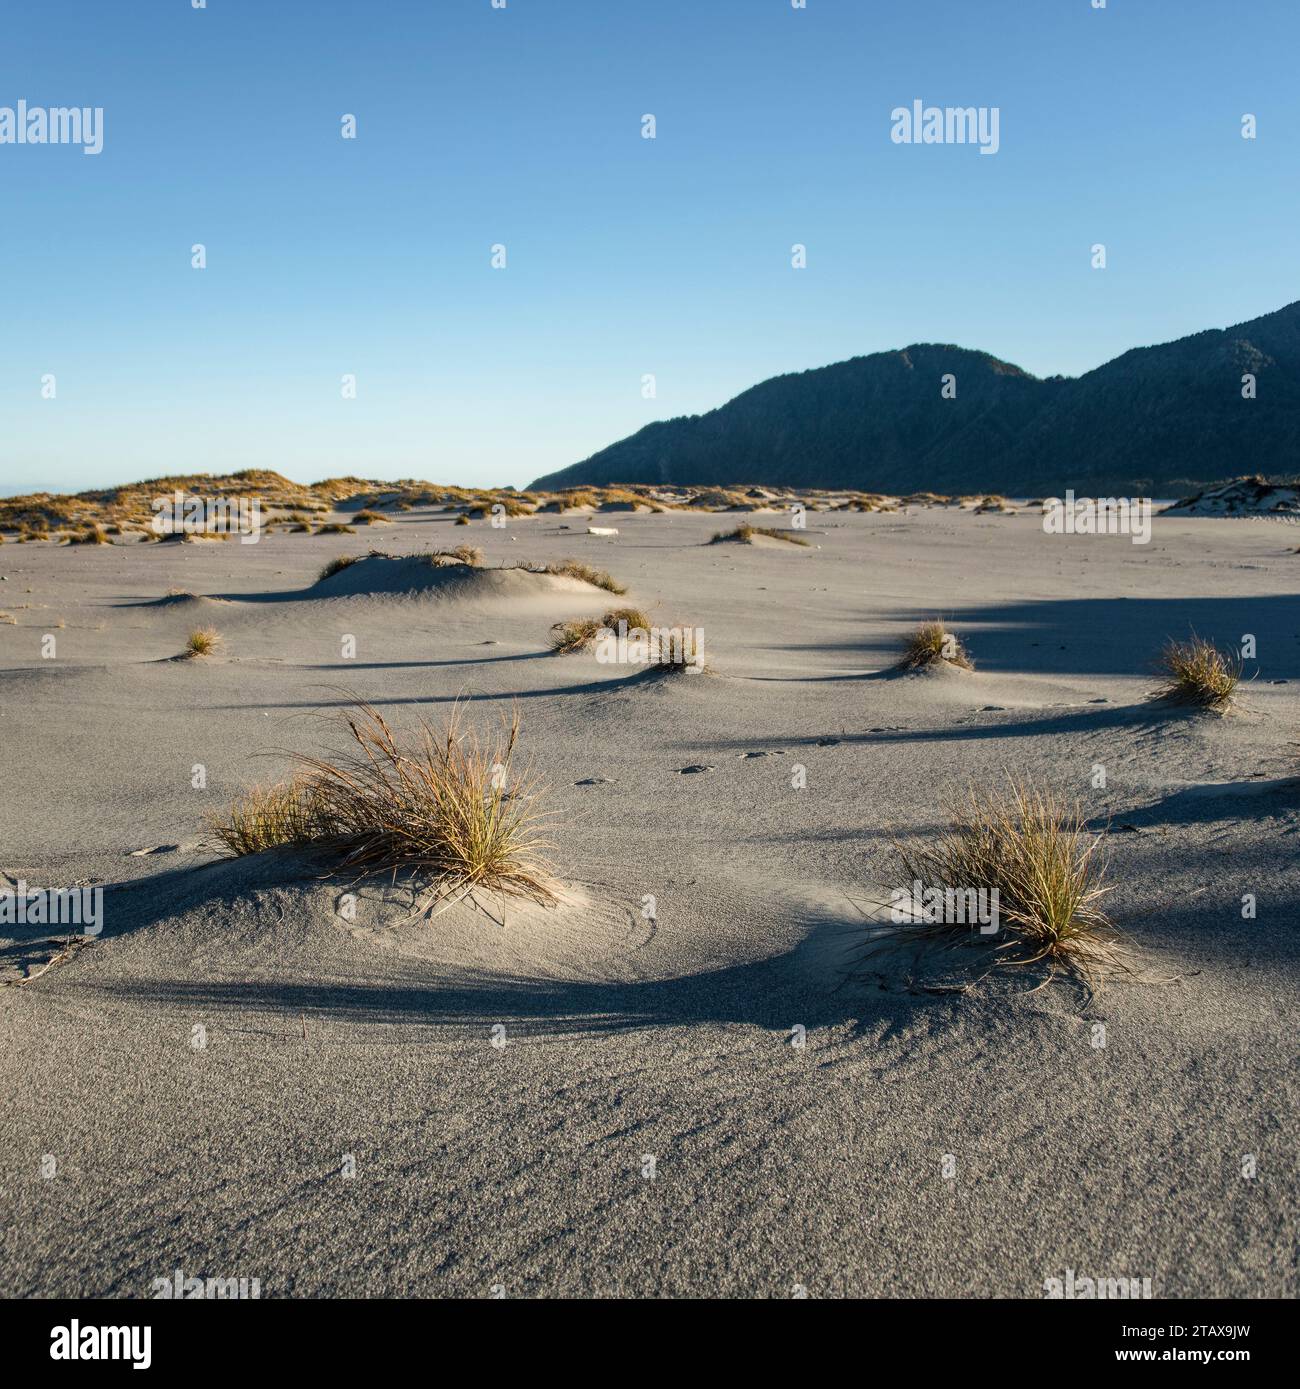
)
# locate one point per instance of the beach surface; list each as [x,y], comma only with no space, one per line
[673,1084]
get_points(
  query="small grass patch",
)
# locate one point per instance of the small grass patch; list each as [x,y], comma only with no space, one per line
[372,518]
[1197,673]
[336,566]
[579,569]
[932,644]
[336,528]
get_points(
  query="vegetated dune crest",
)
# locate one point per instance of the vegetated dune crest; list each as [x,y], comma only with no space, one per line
[425,576]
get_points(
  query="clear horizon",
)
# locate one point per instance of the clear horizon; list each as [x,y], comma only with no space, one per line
[625,256]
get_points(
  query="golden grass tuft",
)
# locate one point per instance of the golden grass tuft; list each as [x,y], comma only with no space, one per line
[445,805]
[462,554]
[371,518]
[1197,673]
[336,528]
[579,501]
[267,817]
[932,644]
[579,569]
[93,534]
[633,617]
[462,520]
[202,641]
[578,635]
[1037,852]
[567,638]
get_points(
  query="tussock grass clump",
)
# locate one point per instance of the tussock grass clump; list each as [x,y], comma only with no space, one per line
[665,651]
[371,518]
[932,644]
[203,641]
[568,638]
[446,805]
[91,535]
[336,528]
[746,533]
[579,501]
[512,506]
[578,635]
[633,617]
[461,520]
[336,566]
[1197,673]
[1037,853]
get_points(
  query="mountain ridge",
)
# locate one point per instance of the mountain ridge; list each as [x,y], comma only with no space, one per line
[1161,419]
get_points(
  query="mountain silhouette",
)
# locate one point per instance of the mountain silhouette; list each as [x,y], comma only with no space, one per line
[1155,421]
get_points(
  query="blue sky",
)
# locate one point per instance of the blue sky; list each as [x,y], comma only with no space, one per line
[625,256]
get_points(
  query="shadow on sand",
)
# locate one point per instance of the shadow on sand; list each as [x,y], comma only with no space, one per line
[1076,636]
